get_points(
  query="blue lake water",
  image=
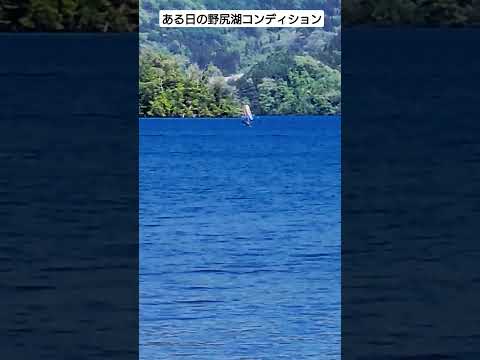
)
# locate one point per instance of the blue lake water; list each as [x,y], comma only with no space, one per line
[240,239]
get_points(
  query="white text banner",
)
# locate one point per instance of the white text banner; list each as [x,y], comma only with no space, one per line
[242,18]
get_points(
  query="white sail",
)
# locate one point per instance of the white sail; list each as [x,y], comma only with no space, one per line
[247,113]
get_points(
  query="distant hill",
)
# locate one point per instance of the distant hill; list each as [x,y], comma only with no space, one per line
[275,70]
[233,50]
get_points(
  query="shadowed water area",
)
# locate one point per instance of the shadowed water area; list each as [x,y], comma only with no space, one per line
[240,238]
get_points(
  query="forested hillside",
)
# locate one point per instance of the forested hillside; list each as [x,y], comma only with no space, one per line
[69,15]
[171,88]
[275,70]
[232,50]
[411,12]
[291,84]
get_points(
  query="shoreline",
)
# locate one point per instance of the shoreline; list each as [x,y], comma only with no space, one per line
[236,118]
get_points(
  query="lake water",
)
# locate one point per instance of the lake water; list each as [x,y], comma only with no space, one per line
[240,239]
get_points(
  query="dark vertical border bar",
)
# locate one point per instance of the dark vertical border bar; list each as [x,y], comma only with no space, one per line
[410,185]
[69,196]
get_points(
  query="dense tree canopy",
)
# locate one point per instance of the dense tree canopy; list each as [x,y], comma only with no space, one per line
[69,15]
[235,50]
[411,12]
[275,70]
[286,84]
[170,88]
[282,84]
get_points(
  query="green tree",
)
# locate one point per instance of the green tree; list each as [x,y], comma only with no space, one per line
[170,88]
[303,86]
[43,15]
[69,15]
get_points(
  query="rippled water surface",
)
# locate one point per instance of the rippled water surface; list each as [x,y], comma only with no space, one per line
[240,239]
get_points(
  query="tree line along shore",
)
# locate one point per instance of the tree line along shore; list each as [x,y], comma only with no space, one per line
[282,84]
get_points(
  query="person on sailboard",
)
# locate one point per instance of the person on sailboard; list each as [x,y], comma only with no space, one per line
[247,115]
